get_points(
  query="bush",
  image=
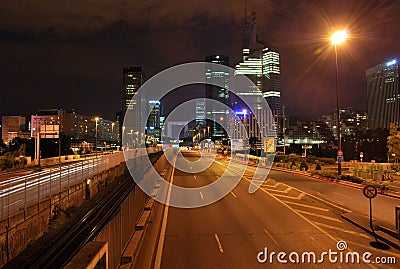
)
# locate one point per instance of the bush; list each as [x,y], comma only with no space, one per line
[304,166]
[11,160]
[293,165]
[318,167]
[395,168]
[326,173]
[327,160]
[351,179]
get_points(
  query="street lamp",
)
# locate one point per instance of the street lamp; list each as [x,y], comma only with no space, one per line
[338,38]
[112,131]
[95,145]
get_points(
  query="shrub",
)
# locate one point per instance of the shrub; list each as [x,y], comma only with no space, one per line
[304,166]
[351,179]
[318,167]
[395,167]
[327,173]
[293,165]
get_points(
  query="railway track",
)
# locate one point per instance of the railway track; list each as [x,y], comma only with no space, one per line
[63,247]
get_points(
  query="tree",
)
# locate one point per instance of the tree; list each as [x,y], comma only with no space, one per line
[393,141]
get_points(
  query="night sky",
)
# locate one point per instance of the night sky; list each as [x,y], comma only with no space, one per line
[70,54]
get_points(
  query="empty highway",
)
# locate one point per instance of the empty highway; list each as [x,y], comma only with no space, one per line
[276,227]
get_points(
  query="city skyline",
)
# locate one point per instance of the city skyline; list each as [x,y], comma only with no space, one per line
[54,63]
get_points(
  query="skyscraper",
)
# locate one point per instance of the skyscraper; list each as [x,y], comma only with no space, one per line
[383,93]
[261,64]
[132,80]
[221,95]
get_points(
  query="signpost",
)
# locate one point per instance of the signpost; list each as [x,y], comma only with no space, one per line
[340,158]
[305,147]
[269,145]
[370,192]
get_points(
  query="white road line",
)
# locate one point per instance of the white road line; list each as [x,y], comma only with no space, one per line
[157,263]
[219,243]
[201,195]
[342,195]
[270,236]
[340,229]
[318,215]
[301,195]
[234,195]
[307,206]
[275,190]
[333,238]
[194,176]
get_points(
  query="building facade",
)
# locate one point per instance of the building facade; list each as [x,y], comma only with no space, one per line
[383,93]
[218,76]
[81,131]
[132,80]
[12,127]
[261,64]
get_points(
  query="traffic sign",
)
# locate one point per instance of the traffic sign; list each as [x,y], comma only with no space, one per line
[340,159]
[340,153]
[370,191]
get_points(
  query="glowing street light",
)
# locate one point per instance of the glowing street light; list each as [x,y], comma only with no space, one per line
[95,146]
[338,38]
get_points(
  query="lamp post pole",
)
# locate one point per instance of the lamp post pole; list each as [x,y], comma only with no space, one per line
[338,111]
[337,38]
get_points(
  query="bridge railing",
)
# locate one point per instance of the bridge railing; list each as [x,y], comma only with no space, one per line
[18,192]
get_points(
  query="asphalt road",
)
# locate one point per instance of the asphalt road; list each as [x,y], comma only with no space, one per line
[351,198]
[232,232]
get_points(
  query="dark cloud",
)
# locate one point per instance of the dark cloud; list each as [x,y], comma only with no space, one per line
[70,54]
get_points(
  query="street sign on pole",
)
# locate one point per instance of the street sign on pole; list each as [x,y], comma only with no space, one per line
[340,153]
[370,191]
[339,159]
